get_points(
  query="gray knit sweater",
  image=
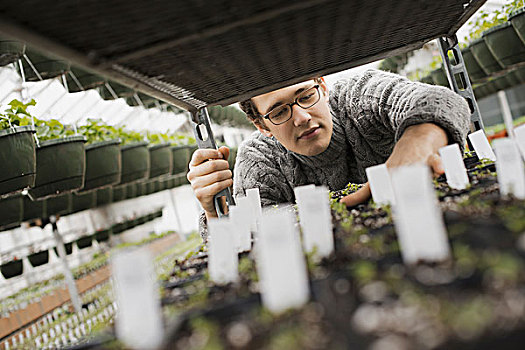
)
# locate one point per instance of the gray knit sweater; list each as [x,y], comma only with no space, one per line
[370,112]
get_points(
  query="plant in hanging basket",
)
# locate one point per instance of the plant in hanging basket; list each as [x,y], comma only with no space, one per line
[12,268]
[58,205]
[505,45]
[161,161]
[33,210]
[17,148]
[135,162]
[104,196]
[119,193]
[102,235]
[48,67]
[84,242]
[39,258]
[83,201]
[475,72]
[11,212]
[517,18]
[10,51]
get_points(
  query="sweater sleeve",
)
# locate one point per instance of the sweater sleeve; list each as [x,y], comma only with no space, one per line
[377,102]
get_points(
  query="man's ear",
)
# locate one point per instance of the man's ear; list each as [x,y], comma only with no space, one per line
[323,85]
[262,128]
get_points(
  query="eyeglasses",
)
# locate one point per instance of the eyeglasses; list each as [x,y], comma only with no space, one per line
[306,99]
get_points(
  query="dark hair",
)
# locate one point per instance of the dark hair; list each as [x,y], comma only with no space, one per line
[253,114]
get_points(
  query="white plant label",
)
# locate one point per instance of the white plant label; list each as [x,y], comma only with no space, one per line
[255,202]
[280,263]
[45,339]
[77,332]
[223,259]
[519,137]
[299,190]
[38,342]
[380,184]
[139,322]
[509,166]
[417,218]
[316,220]
[481,145]
[241,219]
[454,167]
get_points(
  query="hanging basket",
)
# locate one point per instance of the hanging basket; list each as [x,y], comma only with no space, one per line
[59,205]
[10,52]
[161,160]
[11,212]
[135,162]
[439,77]
[83,201]
[84,242]
[39,258]
[118,228]
[119,193]
[232,157]
[140,189]
[181,159]
[505,44]
[86,80]
[102,236]
[484,57]
[517,18]
[67,246]
[60,167]
[474,70]
[12,269]
[103,164]
[104,196]
[47,67]
[33,209]
[18,159]
[131,191]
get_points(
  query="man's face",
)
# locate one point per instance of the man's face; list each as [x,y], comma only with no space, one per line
[309,130]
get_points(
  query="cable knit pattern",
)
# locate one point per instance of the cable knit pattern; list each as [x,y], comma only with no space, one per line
[370,112]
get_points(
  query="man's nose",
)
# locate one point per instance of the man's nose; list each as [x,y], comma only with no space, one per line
[300,116]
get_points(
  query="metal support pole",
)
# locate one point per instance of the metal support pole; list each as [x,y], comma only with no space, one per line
[459,71]
[70,281]
[507,114]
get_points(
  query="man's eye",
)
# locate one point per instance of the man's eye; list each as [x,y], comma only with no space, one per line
[279,113]
[307,97]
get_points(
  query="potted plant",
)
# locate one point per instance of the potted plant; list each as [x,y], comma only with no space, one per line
[83,201]
[58,205]
[517,18]
[46,66]
[475,72]
[38,258]
[84,78]
[135,157]
[504,44]
[84,242]
[102,235]
[17,148]
[119,193]
[11,212]
[12,268]
[161,160]
[104,196]
[103,156]
[10,51]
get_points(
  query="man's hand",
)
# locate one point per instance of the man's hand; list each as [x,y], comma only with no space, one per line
[418,144]
[209,174]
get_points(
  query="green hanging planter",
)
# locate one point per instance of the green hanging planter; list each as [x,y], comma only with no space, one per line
[517,18]
[439,77]
[119,193]
[86,80]
[118,228]
[501,83]
[505,45]
[181,159]
[231,158]
[103,235]
[104,196]
[474,70]
[12,269]
[135,162]
[120,90]
[10,51]
[142,220]
[67,246]
[18,159]
[83,201]
[131,191]
[139,189]
[33,209]
[484,57]
[103,164]
[152,187]
[11,212]
[60,167]
[84,242]
[38,258]
[59,205]
[47,67]
[161,160]
[427,79]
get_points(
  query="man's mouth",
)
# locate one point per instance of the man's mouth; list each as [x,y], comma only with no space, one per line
[312,132]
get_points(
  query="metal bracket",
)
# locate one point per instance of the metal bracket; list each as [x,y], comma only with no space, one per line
[204,136]
[458,77]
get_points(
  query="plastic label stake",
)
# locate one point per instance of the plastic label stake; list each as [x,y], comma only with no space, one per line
[519,137]
[454,167]
[241,219]
[138,323]
[380,184]
[299,190]
[509,166]
[280,263]
[223,259]
[481,145]
[417,218]
[316,220]
[255,201]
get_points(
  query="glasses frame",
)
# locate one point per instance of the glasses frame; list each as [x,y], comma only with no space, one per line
[267,115]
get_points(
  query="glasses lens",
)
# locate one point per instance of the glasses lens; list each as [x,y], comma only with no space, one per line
[280,114]
[308,98]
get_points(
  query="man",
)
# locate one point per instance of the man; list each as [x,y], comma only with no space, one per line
[307,134]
